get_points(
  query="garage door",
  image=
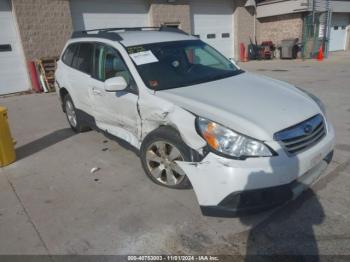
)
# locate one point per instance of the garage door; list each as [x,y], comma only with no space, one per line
[213,23]
[13,72]
[91,14]
[338,36]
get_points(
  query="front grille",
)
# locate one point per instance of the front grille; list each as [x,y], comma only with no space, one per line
[302,136]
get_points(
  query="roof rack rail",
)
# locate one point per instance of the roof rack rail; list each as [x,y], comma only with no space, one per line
[112,34]
[106,35]
[165,28]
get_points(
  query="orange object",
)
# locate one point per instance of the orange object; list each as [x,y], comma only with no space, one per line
[34,77]
[246,59]
[320,54]
[242,52]
[210,137]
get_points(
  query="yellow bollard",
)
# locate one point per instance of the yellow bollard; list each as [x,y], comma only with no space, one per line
[7,149]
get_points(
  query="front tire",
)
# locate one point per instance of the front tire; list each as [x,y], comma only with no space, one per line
[159,151]
[72,116]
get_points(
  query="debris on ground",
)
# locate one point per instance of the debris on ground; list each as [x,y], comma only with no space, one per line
[94,170]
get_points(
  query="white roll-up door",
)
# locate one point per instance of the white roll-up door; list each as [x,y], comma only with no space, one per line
[213,23]
[92,14]
[13,72]
[340,23]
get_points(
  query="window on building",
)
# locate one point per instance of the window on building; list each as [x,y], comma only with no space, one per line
[225,35]
[211,36]
[5,48]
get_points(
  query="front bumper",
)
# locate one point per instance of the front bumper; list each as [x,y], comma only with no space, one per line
[252,201]
[227,187]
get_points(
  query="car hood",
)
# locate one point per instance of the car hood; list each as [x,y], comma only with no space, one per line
[252,105]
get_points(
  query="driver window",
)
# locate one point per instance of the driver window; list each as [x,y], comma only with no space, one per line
[108,64]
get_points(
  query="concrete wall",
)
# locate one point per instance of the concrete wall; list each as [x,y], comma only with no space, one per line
[44,26]
[277,28]
[243,25]
[173,13]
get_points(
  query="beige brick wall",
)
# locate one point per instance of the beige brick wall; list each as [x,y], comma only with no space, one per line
[44,25]
[243,25]
[179,12]
[281,27]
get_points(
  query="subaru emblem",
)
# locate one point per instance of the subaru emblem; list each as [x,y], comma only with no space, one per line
[308,129]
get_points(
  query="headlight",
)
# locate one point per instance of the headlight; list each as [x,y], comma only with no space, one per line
[228,142]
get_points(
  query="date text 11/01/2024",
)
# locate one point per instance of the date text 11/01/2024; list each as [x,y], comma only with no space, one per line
[173,258]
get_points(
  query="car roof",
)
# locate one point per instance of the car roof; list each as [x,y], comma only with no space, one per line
[135,36]
[132,38]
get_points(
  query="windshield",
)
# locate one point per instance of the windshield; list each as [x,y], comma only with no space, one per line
[176,64]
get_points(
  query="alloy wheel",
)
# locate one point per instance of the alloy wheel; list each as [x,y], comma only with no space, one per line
[71,115]
[160,158]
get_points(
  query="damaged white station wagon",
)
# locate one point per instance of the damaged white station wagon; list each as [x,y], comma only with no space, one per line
[243,142]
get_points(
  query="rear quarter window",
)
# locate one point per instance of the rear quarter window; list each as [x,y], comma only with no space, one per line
[83,58]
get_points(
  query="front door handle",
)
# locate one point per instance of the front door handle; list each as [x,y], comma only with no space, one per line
[96,91]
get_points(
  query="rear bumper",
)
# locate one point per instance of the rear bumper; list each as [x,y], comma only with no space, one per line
[253,201]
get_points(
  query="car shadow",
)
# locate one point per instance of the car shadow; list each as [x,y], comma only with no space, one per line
[288,234]
[44,142]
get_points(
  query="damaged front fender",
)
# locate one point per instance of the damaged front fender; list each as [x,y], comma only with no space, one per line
[156,112]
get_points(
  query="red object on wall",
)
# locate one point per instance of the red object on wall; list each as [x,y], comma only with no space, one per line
[242,52]
[34,77]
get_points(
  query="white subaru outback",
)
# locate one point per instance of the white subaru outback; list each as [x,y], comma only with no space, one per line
[243,142]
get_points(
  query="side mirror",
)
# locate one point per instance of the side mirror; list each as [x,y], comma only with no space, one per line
[115,84]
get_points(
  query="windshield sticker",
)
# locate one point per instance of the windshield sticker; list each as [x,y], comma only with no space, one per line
[135,49]
[145,57]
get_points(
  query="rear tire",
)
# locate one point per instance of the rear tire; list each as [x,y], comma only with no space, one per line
[159,151]
[72,115]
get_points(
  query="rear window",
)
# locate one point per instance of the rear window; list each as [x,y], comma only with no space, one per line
[68,55]
[83,58]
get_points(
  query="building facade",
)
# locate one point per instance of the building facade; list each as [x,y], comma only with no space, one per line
[40,28]
[35,29]
[283,19]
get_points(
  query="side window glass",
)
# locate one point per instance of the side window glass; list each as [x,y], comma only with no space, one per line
[83,60]
[108,64]
[68,55]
